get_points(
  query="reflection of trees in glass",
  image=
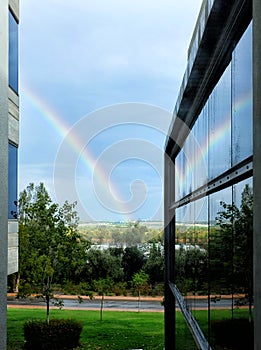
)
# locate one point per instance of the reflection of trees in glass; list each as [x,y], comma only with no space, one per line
[218,258]
[236,245]
[191,269]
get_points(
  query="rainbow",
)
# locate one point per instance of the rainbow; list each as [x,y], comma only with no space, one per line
[200,159]
[65,131]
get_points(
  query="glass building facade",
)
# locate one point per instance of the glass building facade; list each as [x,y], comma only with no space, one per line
[209,188]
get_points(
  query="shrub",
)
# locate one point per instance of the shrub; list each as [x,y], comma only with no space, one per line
[83,288]
[120,288]
[233,334]
[58,334]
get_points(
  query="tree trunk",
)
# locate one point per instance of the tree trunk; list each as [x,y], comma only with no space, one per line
[47,309]
[102,300]
[17,284]
[139,301]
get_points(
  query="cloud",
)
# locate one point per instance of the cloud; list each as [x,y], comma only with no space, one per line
[82,55]
[87,38]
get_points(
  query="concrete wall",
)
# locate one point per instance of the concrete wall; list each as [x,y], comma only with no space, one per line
[9,130]
[4,166]
[13,135]
[12,247]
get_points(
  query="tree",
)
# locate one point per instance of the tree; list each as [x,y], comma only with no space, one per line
[154,265]
[102,286]
[132,262]
[239,221]
[139,281]
[191,269]
[103,264]
[51,248]
[134,233]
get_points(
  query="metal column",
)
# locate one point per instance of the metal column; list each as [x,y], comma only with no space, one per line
[257,168]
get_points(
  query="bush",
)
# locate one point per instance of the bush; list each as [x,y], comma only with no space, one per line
[120,288]
[83,288]
[58,334]
[233,334]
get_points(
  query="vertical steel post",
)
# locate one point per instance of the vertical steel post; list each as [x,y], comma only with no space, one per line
[257,168]
[169,254]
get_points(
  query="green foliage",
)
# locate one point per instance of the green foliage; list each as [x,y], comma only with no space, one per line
[120,235]
[102,287]
[120,288]
[58,334]
[154,265]
[132,262]
[54,252]
[102,264]
[191,269]
[51,249]
[140,279]
[140,283]
[235,248]
[83,288]
[219,255]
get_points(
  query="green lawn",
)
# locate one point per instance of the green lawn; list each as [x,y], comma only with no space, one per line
[118,330]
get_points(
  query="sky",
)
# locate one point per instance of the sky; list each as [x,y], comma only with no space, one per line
[98,85]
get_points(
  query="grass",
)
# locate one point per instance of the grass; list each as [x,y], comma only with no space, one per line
[118,330]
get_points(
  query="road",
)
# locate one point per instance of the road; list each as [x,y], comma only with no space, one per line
[94,304]
[128,304]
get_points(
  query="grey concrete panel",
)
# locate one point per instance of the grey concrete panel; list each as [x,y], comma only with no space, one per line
[13,130]
[12,260]
[13,109]
[13,240]
[12,226]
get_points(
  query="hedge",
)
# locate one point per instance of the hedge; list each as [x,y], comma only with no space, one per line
[57,335]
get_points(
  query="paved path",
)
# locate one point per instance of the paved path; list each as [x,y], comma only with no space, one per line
[148,304]
[110,303]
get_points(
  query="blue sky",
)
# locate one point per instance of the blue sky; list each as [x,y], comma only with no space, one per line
[98,84]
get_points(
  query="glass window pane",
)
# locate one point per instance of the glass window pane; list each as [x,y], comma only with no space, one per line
[189,160]
[200,166]
[184,243]
[13,53]
[220,255]
[12,182]
[180,176]
[220,244]
[243,242]
[242,99]
[220,126]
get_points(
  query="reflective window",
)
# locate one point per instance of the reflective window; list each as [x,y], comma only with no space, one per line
[214,234]
[220,126]
[220,243]
[200,168]
[188,150]
[180,176]
[12,182]
[13,53]
[243,249]
[242,98]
